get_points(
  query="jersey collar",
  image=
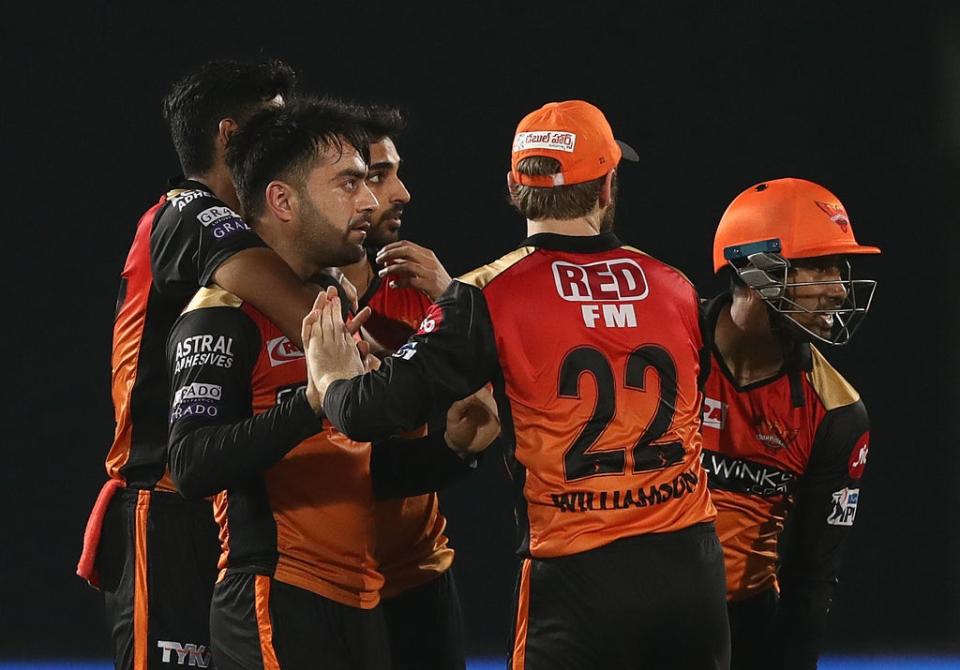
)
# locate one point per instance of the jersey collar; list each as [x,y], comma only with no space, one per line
[375,282]
[797,360]
[179,181]
[586,244]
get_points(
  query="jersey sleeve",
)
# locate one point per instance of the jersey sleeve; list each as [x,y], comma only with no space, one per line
[215,441]
[827,498]
[451,356]
[401,468]
[193,237]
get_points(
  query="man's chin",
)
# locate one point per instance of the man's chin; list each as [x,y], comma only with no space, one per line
[347,256]
[378,241]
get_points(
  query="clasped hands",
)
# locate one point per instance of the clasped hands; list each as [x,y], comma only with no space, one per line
[334,352]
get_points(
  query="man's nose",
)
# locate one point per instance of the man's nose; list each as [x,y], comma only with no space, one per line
[401,195]
[367,201]
[836,290]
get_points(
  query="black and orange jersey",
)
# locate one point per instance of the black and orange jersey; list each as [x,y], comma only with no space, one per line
[794,443]
[295,498]
[396,311]
[178,245]
[411,546]
[594,350]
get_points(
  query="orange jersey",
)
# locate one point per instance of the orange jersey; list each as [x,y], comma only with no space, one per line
[593,349]
[411,546]
[307,519]
[797,441]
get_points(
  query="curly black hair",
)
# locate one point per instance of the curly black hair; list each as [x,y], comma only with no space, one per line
[220,89]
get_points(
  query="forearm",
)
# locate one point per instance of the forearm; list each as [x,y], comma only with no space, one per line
[260,277]
[206,459]
[376,405]
[402,468]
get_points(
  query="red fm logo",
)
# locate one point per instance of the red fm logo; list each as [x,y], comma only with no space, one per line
[858,457]
[281,350]
[619,280]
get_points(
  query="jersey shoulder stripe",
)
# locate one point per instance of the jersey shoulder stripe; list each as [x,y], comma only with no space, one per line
[212,296]
[487,273]
[666,265]
[834,391]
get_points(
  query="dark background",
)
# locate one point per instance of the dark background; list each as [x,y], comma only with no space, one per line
[860,99]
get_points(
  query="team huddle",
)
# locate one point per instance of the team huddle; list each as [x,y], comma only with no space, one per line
[293,383]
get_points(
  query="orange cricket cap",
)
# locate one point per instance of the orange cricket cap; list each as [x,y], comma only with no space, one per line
[575,133]
[799,218]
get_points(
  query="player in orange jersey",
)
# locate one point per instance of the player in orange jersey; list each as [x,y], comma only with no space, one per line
[783,432]
[420,601]
[593,349]
[298,586]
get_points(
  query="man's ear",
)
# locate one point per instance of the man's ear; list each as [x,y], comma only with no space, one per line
[511,185]
[606,190]
[225,129]
[281,200]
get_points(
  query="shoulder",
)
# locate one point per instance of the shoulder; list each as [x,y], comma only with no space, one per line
[214,309]
[192,200]
[833,390]
[214,323]
[482,276]
[661,266]
[213,296]
[203,208]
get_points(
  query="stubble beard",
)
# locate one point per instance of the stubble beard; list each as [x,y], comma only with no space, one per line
[329,246]
[379,234]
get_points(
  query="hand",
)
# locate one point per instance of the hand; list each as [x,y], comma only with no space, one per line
[370,362]
[409,265]
[330,350]
[472,423]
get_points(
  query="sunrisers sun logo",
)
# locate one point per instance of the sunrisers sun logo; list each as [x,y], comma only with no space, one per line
[836,212]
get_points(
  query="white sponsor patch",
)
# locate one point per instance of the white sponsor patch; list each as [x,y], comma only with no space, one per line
[281,350]
[713,413]
[557,140]
[181,200]
[212,215]
[198,391]
[844,507]
[407,351]
[614,280]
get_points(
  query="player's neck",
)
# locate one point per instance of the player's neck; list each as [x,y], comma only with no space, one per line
[220,182]
[579,227]
[360,274]
[748,346]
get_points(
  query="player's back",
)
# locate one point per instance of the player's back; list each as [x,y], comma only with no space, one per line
[178,245]
[599,346]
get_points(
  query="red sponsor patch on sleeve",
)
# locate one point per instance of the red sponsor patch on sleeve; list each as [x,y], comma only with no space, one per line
[858,457]
[431,322]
